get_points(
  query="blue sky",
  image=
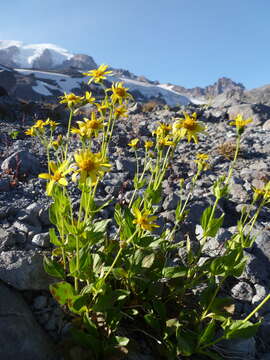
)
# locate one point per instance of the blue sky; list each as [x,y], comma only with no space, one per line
[185,42]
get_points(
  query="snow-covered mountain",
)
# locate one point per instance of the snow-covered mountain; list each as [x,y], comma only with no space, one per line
[47,70]
[41,56]
[49,84]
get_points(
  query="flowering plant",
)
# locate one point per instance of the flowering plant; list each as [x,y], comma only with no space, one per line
[107,280]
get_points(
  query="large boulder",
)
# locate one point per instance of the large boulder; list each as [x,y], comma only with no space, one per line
[22,163]
[20,335]
[23,270]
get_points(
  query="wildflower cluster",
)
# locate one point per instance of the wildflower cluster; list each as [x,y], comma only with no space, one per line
[107,278]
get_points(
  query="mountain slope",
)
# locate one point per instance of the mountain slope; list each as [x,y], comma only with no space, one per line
[47,70]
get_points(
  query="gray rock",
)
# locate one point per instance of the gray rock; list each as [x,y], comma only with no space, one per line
[266,125]
[4,185]
[261,293]
[126,165]
[6,240]
[26,228]
[43,216]
[40,302]
[21,162]
[263,244]
[170,202]
[20,335]
[30,215]
[135,109]
[42,240]
[265,356]
[238,349]
[24,270]
[242,291]
[264,330]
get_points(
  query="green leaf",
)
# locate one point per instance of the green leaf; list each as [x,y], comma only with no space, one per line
[207,334]
[152,321]
[174,272]
[97,262]
[121,340]
[118,217]
[222,305]
[87,340]
[215,225]
[63,292]
[120,294]
[186,342]
[160,309]
[104,303]
[241,329]
[100,226]
[53,237]
[205,217]
[80,303]
[217,266]
[138,256]
[238,269]
[148,261]
[53,213]
[53,268]
[153,195]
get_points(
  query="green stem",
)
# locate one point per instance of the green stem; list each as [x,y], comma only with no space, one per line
[257,308]
[234,159]
[68,131]
[243,321]
[118,255]
[204,315]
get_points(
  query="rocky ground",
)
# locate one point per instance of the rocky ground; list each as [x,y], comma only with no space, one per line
[31,323]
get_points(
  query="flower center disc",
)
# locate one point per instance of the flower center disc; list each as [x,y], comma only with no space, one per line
[120,92]
[87,165]
[190,125]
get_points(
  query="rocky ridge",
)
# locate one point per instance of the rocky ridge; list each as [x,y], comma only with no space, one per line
[52,59]
[24,221]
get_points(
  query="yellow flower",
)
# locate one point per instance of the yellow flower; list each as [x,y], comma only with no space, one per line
[119,92]
[240,123]
[188,127]
[58,142]
[71,99]
[89,128]
[88,97]
[98,75]
[133,143]
[148,144]
[90,166]
[40,124]
[57,175]
[202,161]
[164,141]
[263,192]
[120,111]
[103,107]
[163,129]
[201,156]
[31,131]
[53,123]
[143,220]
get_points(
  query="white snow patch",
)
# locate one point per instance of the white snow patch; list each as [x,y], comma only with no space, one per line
[41,88]
[197,101]
[65,83]
[171,97]
[27,54]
